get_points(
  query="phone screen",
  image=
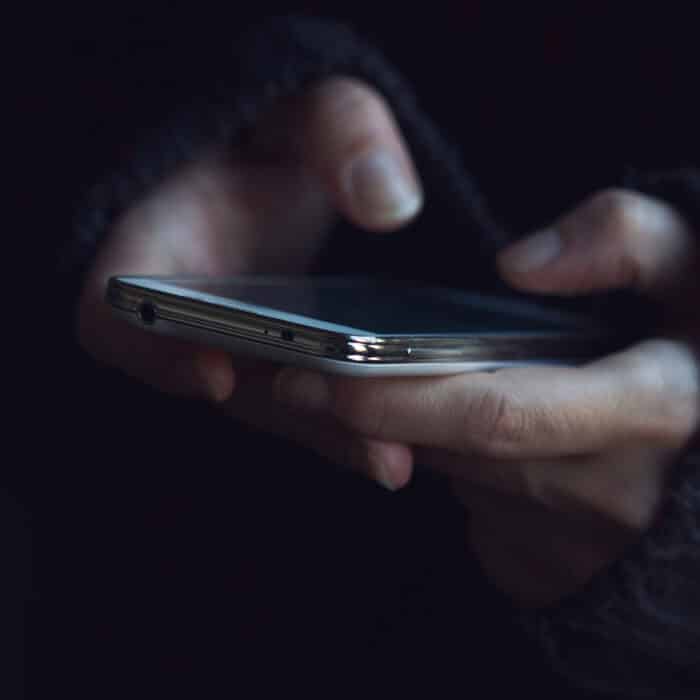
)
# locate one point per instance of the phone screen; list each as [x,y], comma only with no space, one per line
[386,308]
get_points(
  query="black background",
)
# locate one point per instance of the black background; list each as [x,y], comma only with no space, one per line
[191,569]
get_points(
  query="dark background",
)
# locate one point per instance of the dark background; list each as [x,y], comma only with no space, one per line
[164,570]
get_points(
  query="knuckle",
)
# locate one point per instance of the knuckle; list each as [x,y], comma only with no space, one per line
[618,216]
[496,424]
[346,118]
[617,210]
[666,373]
[347,100]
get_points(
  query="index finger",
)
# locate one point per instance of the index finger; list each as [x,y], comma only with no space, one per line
[647,393]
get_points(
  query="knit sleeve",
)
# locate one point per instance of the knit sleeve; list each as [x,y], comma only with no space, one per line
[634,632]
[636,628]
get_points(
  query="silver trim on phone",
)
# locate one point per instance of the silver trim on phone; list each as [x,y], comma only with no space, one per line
[147,307]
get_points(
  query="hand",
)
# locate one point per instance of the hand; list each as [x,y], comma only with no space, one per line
[266,207]
[560,468]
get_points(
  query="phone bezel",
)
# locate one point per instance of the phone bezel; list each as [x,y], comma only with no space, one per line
[169,300]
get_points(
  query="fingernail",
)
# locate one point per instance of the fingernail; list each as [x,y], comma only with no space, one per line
[533,252]
[389,464]
[386,478]
[382,471]
[378,185]
[307,391]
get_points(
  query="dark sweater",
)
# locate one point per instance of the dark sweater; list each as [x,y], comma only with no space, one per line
[635,630]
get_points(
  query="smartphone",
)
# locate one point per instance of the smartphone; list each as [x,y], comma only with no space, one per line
[357,326]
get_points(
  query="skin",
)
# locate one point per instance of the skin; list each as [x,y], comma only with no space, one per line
[265,208]
[561,469]
[557,482]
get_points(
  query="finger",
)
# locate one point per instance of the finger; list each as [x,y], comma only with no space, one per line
[616,239]
[171,365]
[648,393]
[616,490]
[533,556]
[352,142]
[387,463]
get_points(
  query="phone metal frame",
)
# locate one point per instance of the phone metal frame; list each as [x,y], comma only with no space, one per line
[148,307]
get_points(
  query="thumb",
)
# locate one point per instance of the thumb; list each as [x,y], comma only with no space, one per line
[616,239]
[354,146]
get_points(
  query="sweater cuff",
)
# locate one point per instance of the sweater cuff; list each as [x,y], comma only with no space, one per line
[272,61]
[634,631]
